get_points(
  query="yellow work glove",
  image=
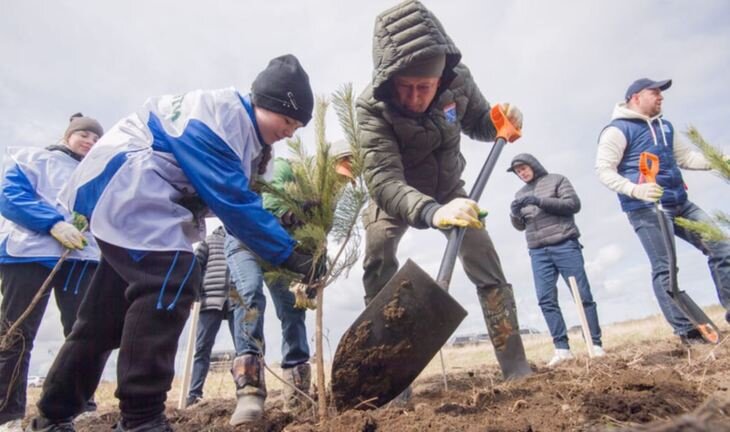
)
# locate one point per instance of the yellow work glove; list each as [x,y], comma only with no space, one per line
[513,114]
[650,192]
[304,296]
[68,235]
[459,212]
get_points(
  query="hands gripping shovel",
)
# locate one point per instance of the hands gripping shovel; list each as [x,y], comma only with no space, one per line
[649,167]
[411,318]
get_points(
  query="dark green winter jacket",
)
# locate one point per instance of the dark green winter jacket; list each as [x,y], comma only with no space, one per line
[413,162]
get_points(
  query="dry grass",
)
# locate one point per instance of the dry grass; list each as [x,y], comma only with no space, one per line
[539,349]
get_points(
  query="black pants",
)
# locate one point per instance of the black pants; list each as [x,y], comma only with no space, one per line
[19,283]
[139,307]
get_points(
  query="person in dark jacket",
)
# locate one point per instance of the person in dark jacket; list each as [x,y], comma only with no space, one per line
[215,306]
[411,117]
[544,208]
[637,126]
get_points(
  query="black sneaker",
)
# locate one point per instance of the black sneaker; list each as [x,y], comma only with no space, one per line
[158,424]
[692,337]
[90,405]
[42,424]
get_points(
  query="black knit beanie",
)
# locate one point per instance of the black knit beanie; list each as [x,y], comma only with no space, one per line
[283,87]
[77,122]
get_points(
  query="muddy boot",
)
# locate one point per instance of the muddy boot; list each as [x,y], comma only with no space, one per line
[300,376]
[500,315]
[512,359]
[248,374]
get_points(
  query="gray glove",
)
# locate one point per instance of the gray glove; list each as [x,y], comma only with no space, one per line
[302,263]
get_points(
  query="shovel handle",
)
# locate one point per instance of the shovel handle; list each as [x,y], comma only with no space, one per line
[505,128]
[506,132]
[649,166]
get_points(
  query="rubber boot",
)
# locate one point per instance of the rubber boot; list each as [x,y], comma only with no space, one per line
[500,315]
[512,359]
[248,374]
[299,376]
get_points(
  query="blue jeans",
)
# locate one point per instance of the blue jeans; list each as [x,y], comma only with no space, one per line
[565,259]
[647,228]
[209,323]
[249,318]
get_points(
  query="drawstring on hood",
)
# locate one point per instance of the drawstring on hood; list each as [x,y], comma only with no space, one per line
[622,111]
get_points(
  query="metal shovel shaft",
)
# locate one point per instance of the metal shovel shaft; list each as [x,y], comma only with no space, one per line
[456,235]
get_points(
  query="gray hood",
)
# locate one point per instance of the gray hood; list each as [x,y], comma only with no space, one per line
[531,161]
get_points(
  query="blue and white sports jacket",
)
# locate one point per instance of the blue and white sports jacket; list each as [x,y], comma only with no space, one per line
[201,145]
[32,180]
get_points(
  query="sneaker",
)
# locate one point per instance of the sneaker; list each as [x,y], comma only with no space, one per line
[560,356]
[692,337]
[598,351]
[192,400]
[12,426]
[42,424]
[157,424]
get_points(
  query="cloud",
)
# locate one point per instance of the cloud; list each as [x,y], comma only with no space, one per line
[564,64]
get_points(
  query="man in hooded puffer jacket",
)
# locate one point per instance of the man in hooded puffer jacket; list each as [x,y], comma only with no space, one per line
[411,119]
[544,208]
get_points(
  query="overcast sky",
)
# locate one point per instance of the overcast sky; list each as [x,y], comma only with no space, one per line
[565,64]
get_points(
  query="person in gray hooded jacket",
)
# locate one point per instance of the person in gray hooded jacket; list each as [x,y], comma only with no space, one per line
[544,208]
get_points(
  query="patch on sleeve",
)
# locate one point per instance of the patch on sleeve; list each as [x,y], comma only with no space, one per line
[450,112]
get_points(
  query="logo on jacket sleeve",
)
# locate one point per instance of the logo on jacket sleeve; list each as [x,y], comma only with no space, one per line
[450,112]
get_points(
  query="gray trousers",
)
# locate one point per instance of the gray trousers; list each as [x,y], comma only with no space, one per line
[477,254]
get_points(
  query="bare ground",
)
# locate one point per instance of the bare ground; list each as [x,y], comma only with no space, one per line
[648,384]
[632,386]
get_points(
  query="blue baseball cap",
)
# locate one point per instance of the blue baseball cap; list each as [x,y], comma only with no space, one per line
[646,83]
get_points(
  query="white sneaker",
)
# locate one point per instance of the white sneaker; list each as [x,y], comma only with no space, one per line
[11,426]
[560,356]
[598,351]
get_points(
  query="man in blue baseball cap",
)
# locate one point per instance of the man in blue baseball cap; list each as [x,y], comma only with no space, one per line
[637,126]
[644,84]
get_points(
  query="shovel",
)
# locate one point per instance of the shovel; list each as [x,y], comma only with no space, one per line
[410,319]
[649,167]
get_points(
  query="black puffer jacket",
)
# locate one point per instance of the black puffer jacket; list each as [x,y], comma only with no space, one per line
[552,221]
[216,276]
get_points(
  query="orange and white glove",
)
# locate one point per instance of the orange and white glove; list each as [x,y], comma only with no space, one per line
[459,212]
[650,192]
[68,235]
[513,114]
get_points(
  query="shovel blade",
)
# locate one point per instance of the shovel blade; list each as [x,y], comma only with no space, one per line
[697,316]
[393,340]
